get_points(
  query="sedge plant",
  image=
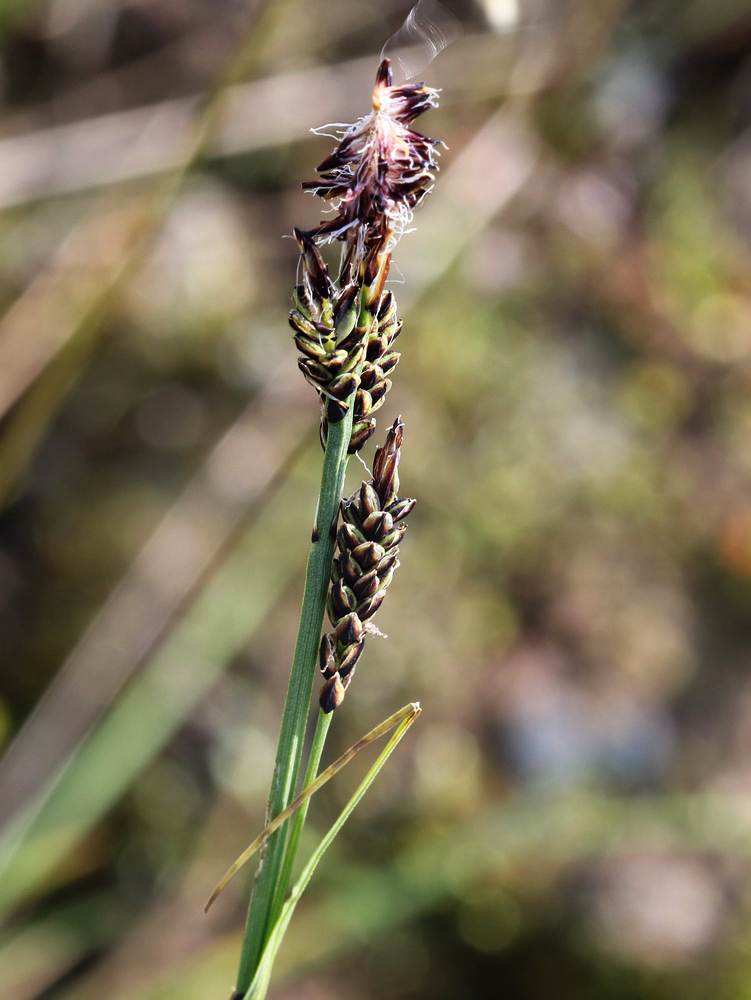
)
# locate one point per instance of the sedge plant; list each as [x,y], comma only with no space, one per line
[345,325]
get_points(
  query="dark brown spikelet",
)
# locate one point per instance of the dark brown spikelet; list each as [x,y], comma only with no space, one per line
[365,561]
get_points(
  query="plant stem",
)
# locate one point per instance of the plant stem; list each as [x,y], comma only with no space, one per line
[269,888]
[260,983]
[312,783]
[311,772]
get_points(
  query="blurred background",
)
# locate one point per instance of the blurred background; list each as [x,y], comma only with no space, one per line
[570,817]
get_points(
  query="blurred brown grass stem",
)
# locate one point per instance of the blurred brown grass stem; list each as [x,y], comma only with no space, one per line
[78,325]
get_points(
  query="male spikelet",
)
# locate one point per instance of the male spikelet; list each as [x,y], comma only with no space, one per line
[379,172]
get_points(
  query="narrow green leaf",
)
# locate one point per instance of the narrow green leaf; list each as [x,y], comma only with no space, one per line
[408,712]
[260,984]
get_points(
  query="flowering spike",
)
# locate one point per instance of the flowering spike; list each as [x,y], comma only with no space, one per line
[380,171]
[363,567]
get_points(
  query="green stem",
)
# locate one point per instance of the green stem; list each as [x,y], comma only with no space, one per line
[311,772]
[260,984]
[269,889]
